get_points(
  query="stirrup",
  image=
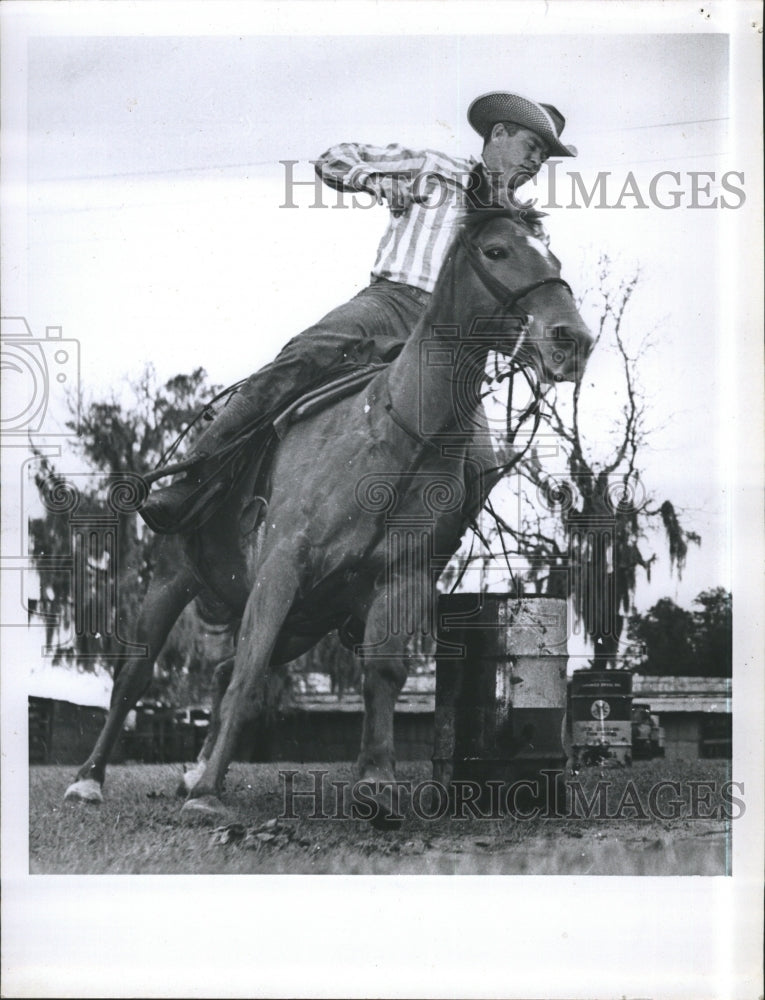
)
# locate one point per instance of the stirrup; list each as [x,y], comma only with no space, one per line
[171,470]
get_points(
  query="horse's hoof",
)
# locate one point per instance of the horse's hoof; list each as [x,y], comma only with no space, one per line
[85,790]
[385,798]
[188,780]
[383,820]
[204,809]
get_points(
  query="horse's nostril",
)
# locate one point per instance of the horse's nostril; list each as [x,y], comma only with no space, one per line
[561,334]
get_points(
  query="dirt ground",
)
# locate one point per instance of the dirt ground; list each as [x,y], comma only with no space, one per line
[636,826]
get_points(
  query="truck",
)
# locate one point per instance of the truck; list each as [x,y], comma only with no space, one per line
[647,732]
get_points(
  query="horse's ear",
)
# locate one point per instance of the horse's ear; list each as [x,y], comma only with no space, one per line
[531,216]
[478,192]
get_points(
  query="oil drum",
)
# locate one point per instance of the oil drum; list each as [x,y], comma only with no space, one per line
[500,688]
[601,717]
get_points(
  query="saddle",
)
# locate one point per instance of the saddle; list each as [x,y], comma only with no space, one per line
[248,456]
[322,397]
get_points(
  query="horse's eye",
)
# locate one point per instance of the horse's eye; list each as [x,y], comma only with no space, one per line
[495,253]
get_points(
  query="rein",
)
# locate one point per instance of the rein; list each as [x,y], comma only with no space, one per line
[207,412]
[507,300]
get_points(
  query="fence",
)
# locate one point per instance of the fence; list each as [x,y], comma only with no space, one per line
[63,733]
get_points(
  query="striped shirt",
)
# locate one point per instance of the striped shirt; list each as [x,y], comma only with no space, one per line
[415,244]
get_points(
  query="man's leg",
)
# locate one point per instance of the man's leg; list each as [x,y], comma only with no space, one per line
[372,327]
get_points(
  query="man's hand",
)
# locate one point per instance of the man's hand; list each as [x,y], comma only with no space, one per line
[396,191]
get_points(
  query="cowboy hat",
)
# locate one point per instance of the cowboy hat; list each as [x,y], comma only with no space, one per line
[544,119]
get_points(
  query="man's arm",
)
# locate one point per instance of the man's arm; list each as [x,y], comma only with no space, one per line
[388,172]
[350,165]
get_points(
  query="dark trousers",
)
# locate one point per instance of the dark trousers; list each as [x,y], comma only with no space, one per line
[371,328]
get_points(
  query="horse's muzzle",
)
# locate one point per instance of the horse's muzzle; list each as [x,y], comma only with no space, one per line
[564,354]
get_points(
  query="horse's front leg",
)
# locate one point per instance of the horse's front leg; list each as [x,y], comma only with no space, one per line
[400,614]
[167,596]
[289,649]
[267,607]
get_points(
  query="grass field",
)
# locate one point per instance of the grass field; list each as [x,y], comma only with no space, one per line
[139,829]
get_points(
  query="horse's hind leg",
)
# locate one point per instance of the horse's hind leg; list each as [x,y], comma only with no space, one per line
[167,596]
[220,682]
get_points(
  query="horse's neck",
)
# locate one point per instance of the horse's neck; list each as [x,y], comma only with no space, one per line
[429,383]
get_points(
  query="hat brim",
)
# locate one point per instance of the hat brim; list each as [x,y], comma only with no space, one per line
[488,109]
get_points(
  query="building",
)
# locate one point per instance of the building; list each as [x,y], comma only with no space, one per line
[694,711]
[317,724]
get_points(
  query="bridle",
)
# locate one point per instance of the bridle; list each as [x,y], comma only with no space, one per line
[506,297]
[507,300]
[507,303]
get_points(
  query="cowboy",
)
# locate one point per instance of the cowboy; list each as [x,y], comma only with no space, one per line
[425,192]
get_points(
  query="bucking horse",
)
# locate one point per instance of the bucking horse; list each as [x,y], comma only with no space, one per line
[360,505]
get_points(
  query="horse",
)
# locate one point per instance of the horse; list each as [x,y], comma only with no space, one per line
[363,505]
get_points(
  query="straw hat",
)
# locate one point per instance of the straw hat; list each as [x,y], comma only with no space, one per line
[544,119]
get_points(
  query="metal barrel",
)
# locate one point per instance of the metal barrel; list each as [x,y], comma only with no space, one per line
[500,688]
[601,717]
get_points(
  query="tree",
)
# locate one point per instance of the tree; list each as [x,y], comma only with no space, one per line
[584,517]
[682,643]
[666,634]
[714,632]
[714,623]
[91,530]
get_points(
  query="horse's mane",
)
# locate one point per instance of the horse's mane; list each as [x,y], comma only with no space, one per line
[473,218]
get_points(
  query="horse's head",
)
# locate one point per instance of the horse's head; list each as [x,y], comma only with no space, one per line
[526,293]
